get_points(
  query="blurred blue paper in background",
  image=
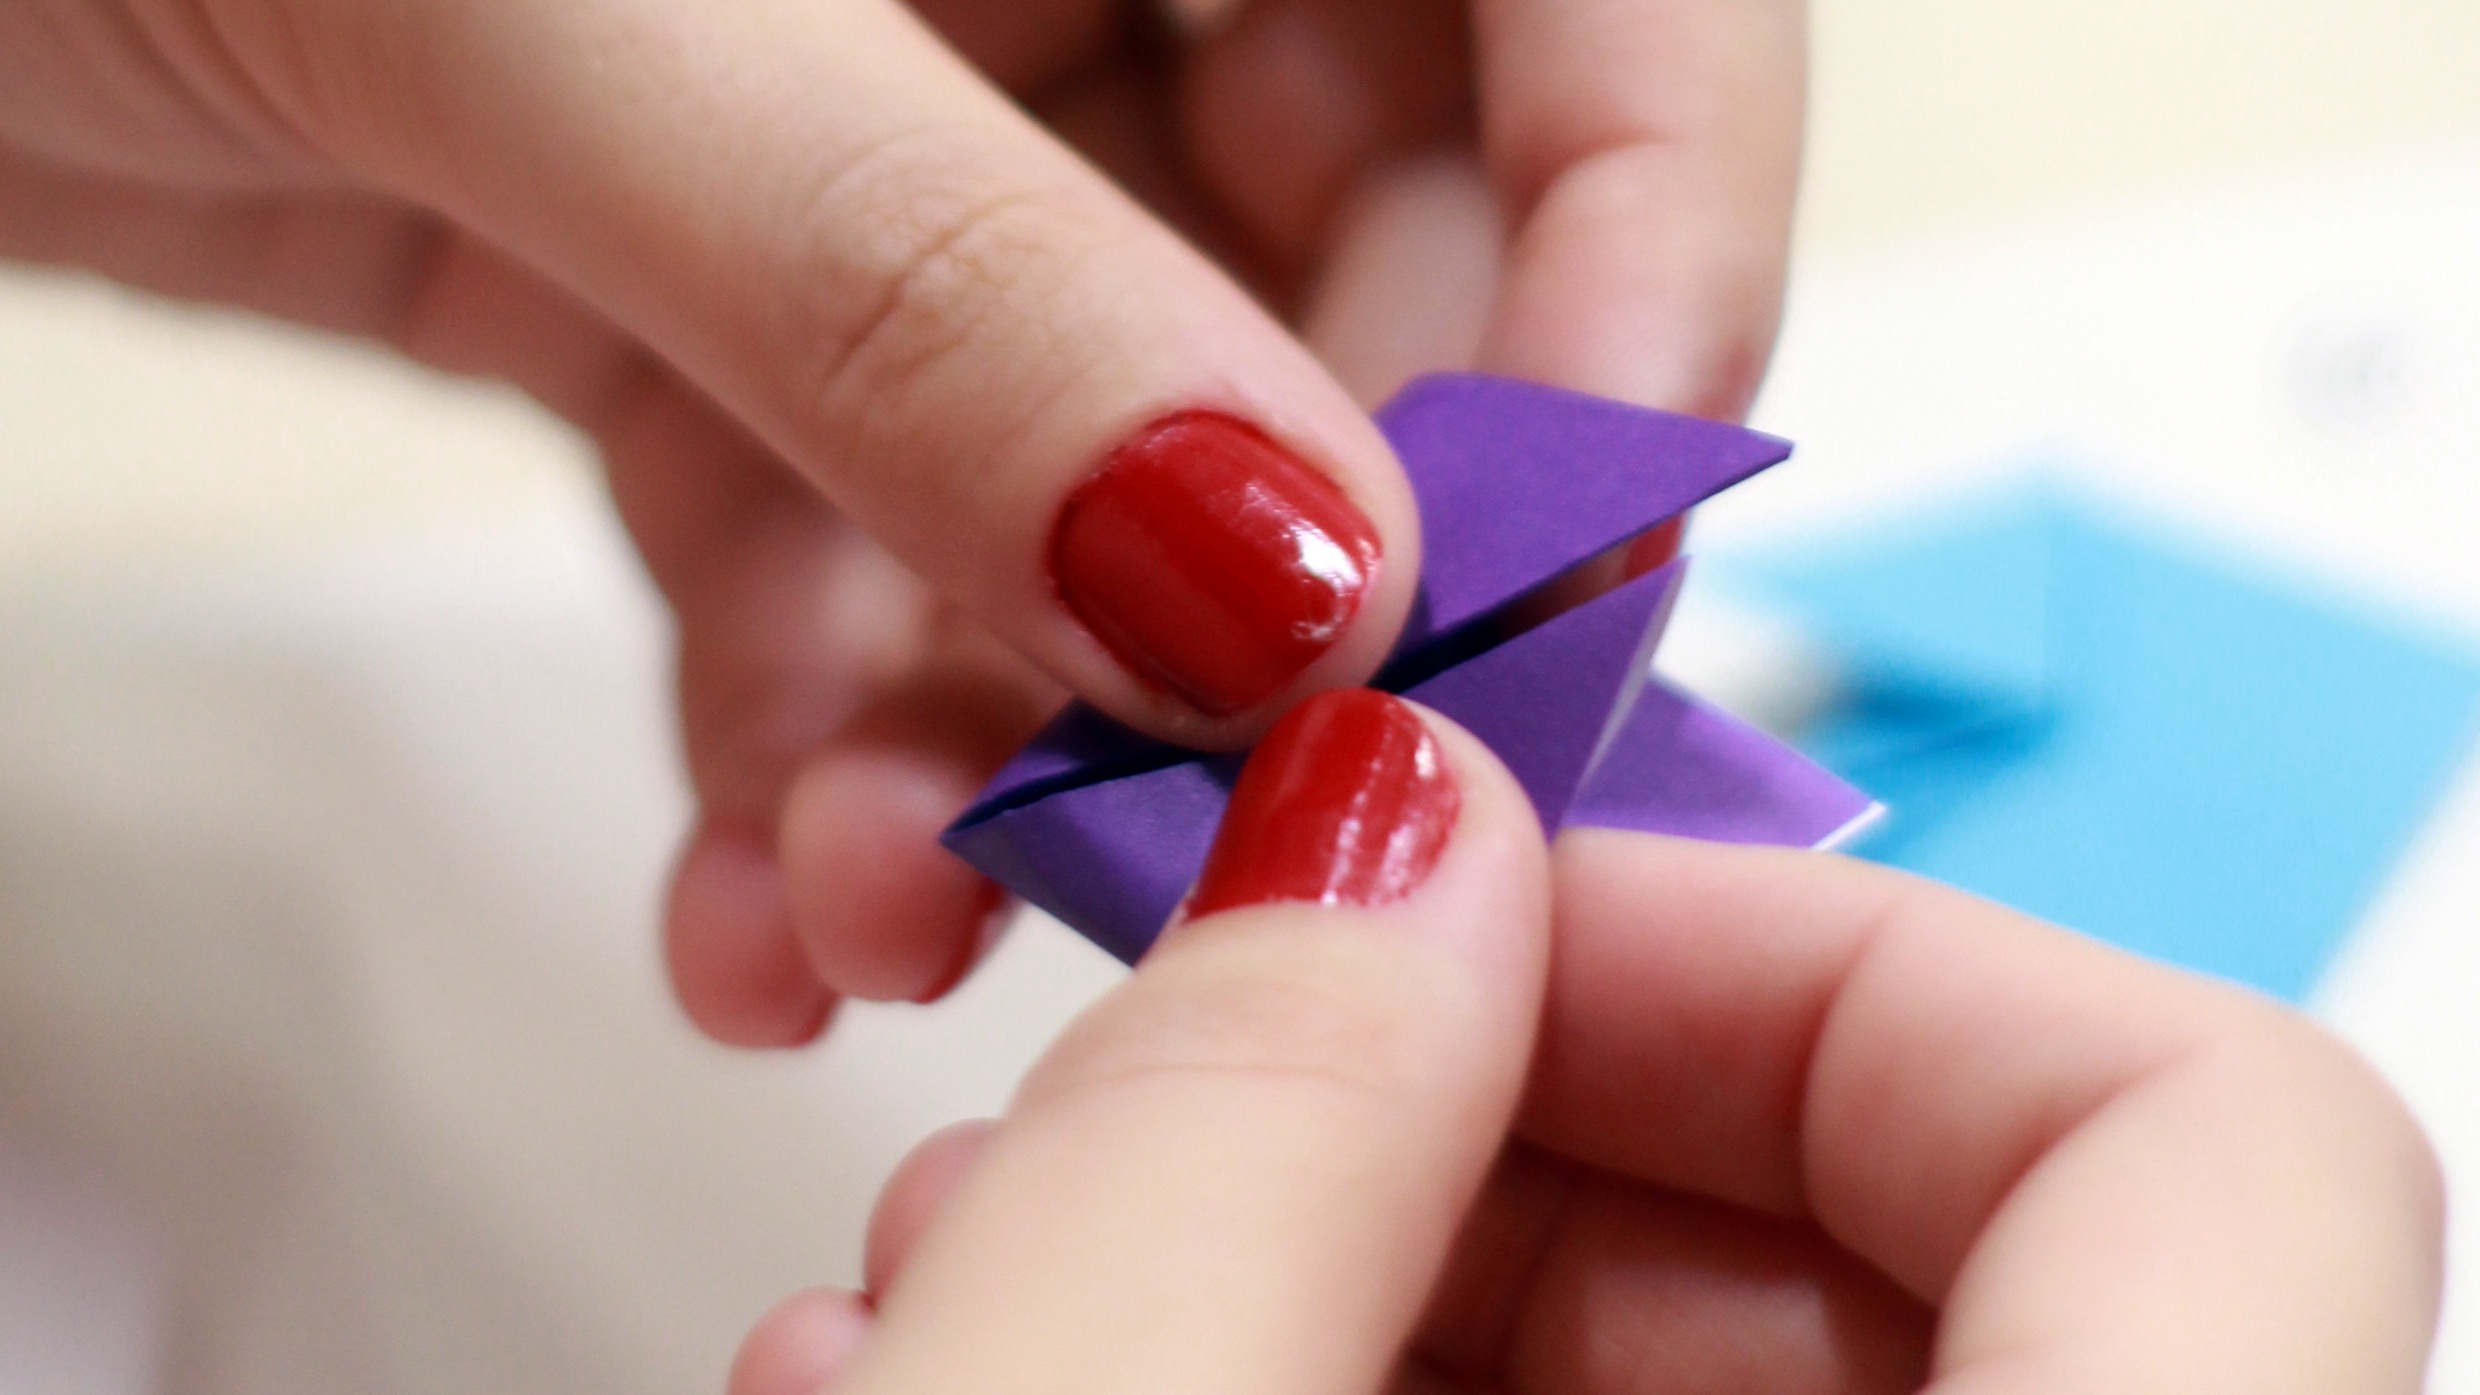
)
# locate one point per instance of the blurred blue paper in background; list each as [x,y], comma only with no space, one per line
[2091,719]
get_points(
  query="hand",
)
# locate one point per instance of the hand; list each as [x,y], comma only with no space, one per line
[817,288]
[1794,1124]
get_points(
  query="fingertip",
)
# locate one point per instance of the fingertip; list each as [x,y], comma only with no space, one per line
[802,1345]
[736,968]
[881,911]
[998,909]
[911,1200]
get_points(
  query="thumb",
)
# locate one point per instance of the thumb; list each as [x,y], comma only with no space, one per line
[963,336]
[1242,1170]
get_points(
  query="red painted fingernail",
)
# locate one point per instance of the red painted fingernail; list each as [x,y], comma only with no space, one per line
[1211,560]
[1347,801]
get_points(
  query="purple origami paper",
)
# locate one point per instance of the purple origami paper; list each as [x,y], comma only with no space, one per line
[1518,485]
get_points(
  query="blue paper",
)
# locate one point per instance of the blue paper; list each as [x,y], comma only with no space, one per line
[2107,726]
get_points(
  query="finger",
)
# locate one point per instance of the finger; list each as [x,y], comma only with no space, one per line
[1567,1279]
[786,620]
[1636,1293]
[1124,118]
[1564,1278]
[796,637]
[914,1196]
[1240,1171]
[728,944]
[1570,1279]
[827,705]
[2106,1171]
[1411,270]
[972,343]
[883,911]
[1648,153]
[213,248]
[1288,105]
[803,1345]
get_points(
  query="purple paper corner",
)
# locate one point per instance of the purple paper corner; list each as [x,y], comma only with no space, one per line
[1517,481]
[1681,767]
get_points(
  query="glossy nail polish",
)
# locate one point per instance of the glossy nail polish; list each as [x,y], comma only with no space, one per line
[1348,801]
[1212,561]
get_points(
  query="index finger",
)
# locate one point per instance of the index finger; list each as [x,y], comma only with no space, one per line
[962,335]
[1648,152]
[2101,1168]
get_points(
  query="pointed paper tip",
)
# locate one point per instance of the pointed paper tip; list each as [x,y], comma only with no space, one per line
[1518,482]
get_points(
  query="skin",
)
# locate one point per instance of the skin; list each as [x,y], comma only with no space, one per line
[851,295]
[1765,1121]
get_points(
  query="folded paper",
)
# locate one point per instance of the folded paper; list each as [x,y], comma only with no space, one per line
[2090,716]
[1517,485]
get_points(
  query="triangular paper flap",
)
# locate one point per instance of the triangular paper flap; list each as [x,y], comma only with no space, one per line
[1518,482]
[1545,700]
[1110,860]
[1681,767]
[1080,746]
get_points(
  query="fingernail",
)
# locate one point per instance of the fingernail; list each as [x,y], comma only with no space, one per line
[1348,801]
[1211,560]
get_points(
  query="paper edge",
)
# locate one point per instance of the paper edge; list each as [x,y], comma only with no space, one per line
[1860,825]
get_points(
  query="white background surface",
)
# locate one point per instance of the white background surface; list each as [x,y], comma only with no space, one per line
[335,780]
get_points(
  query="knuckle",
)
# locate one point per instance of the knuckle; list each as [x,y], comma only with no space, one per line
[924,257]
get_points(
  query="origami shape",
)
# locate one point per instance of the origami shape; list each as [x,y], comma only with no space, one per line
[2092,718]
[1518,485]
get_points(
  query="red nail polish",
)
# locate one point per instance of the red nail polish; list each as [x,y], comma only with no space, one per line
[1211,560]
[1347,801]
